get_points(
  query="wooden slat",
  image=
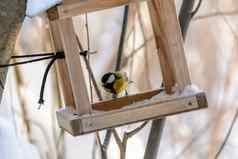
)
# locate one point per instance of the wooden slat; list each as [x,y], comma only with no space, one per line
[124,101]
[166,68]
[73,61]
[170,42]
[66,88]
[78,125]
[72,7]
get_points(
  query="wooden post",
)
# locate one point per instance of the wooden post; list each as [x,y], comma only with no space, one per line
[170,42]
[170,45]
[73,61]
[61,67]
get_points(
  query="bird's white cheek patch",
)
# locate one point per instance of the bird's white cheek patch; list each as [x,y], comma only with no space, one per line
[111,79]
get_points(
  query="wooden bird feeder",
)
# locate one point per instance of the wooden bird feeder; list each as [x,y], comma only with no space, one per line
[80,116]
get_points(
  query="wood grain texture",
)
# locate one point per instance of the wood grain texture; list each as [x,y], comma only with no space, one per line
[78,125]
[65,84]
[73,61]
[119,103]
[170,42]
[165,65]
[73,7]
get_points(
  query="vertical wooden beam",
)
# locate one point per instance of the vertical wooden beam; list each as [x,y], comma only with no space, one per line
[170,42]
[61,67]
[73,61]
[166,68]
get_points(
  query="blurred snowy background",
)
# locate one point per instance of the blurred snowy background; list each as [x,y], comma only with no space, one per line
[211,50]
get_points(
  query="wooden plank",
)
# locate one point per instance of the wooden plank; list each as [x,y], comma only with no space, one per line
[78,125]
[66,88]
[166,68]
[52,13]
[170,42]
[124,101]
[73,61]
[73,7]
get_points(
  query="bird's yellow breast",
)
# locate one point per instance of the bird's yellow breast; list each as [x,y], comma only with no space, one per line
[120,85]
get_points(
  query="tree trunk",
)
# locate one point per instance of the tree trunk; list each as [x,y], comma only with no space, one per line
[11,16]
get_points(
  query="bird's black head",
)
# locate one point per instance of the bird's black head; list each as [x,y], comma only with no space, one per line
[106,77]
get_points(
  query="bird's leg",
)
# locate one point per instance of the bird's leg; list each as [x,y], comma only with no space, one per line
[114,96]
[126,93]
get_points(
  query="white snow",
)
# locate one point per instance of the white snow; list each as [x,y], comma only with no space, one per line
[35,7]
[12,147]
[189,90]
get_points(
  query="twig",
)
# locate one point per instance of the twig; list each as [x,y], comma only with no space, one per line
[136,130]
[118,67]
[94,150]
[19,83]
[196,137]
[58,142]
[208,125]
[42,130]
[146,50]
[185,15]
[1,84]
[134,52]
[122,38]
[236,114]
[107,139]
[87,59]
[154,140]
[117,138]
[98,92]
[215,14]
[197,8]
[227,135]
[126,137]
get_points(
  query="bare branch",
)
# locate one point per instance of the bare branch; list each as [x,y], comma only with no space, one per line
[216,14]
[99,95]
[236,114]
[98,139]
[118,67]
[197,8]
[98,92]
[107,138]
[136,130]
[196,137]
[154,139]
[227,135]
[1,84]
[134,52]
[94,150]
[122,38]
[117,138]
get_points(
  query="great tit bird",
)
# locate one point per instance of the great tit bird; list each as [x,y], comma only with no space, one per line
[115,82]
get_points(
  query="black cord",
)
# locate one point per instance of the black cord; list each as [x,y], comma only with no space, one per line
[52,56]
[26,62]
[32,55]
[59,55]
